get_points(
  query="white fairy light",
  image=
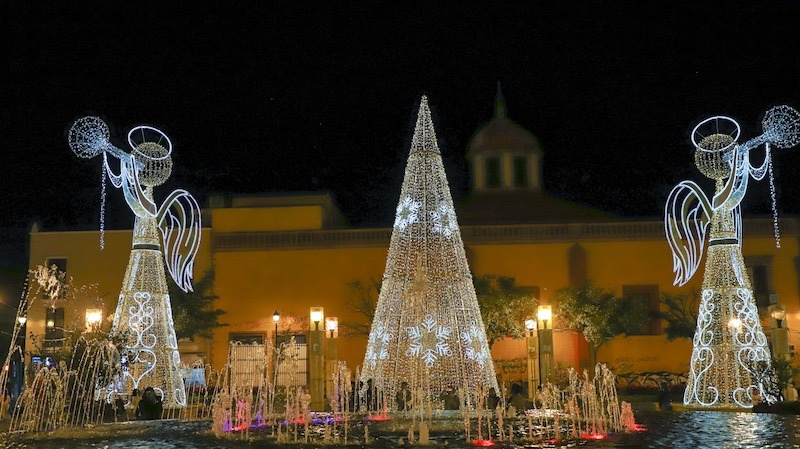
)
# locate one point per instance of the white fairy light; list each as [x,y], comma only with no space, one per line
[429,340]
[406,213]
[427,301]
[730,350]
[168,233]
[475,342]
[378,346]
[774,203]
[444,220]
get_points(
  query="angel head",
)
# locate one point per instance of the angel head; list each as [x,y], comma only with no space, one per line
[152,151]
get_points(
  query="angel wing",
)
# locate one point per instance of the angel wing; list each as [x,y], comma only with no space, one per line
[179,221]
[686,218]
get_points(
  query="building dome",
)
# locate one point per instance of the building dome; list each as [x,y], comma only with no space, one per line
[502,134]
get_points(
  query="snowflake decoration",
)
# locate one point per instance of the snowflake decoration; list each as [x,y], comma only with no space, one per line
[444,220]
[429,341]
[379,346]
[475,342]
[406,213]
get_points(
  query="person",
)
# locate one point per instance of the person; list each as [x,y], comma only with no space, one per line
[664,397]
[403,397]
[5,407]
[150,407]
[135,399]
[492,400]
[518,400]
[450,399]
[121,413]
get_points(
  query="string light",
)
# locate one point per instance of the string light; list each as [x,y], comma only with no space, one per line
[427,330]
[774,201]
[730,349]
[168,233]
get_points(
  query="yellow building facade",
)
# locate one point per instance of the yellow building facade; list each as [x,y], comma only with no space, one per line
[288,253]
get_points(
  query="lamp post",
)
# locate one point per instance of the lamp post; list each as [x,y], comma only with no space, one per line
[276,317]
[331,353]
[780,334]
[532,343]
[18,375]
[316,367]
[545,334]
[276,365]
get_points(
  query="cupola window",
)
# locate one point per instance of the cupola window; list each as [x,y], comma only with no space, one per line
[521,171]
[492,172]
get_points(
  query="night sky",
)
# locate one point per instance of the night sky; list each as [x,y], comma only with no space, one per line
[280,96]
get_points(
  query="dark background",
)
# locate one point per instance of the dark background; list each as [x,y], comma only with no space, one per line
[283,96]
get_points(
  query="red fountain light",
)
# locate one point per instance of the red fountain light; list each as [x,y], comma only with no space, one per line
[594,436]
[483,443]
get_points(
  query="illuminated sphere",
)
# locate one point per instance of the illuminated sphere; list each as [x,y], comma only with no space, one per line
[154,163]
[782,126]
[88,137]
[710,155]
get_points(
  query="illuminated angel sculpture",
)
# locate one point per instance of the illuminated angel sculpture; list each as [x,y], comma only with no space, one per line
[171,231]
[730,351]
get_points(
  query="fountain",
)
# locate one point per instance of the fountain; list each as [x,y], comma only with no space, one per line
[440,391]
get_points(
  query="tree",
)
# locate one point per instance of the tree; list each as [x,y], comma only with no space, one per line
[783,372]
[363,297]
[504,306]
[193,312]
[680,314]
[599,314]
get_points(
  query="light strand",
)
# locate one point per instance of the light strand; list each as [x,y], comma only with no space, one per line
[774,199]
[103,203]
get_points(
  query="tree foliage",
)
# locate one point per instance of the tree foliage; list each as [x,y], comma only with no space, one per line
[504,306]
[680,313]
[599,313]
[363,298]
[193,312]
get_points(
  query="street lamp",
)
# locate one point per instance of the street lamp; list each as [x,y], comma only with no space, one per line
[332,325]
[276,317]
[316,365]
[93,318]
[316,316]
[331,354]
[778,314]
[780,334]
[545,313]
[532,343]
[22,319]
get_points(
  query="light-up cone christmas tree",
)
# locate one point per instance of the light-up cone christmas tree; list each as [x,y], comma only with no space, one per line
[730,355]
[427,330]
[171,232]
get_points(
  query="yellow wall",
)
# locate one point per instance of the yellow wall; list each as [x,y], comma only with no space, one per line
[252,284]
[250,219]
[88,265]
